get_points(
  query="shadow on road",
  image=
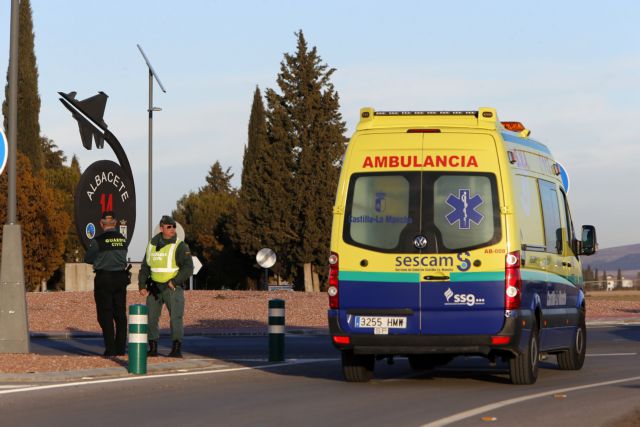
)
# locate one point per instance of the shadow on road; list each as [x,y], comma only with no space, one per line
[627,332]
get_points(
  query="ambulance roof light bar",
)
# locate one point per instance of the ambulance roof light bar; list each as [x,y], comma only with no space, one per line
[513,126]
[517,127]
[426,113]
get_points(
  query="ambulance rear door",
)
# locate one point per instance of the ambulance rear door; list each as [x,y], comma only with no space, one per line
[462,262]
[382,215]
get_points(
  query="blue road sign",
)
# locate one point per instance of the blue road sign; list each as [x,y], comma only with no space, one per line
[4,151]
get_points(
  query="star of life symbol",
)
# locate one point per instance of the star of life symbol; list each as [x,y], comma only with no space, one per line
[464,209]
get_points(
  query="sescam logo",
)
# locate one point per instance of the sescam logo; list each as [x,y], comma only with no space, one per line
[447,262]
[462,299]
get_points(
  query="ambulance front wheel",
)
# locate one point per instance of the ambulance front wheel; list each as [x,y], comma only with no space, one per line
[357,367]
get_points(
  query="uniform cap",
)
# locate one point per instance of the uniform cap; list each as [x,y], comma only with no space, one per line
[167,220]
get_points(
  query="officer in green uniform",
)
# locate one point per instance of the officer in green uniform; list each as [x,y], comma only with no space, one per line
[108,254]
[168,263]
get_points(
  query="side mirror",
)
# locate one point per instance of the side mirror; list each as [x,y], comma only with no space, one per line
[589,243]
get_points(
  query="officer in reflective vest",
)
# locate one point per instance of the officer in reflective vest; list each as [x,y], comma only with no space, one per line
[168,264]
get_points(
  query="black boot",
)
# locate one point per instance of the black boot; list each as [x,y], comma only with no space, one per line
[175,349]
[153,348]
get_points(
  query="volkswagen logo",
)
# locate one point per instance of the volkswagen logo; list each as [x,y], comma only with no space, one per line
[420,242]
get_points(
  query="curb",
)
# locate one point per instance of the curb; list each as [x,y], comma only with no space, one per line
[114,372]
[614,321]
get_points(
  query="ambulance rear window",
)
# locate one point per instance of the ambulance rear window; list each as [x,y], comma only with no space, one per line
[386,211]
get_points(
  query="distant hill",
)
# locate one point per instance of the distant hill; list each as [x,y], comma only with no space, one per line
[625,258]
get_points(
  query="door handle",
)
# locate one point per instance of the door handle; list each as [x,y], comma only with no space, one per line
[439,278]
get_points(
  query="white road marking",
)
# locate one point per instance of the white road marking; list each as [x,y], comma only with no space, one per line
[15,386]
[497,405]
[612,354]
[149,377]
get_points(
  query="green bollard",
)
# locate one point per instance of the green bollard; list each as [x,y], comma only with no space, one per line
[138,321]
[276,330]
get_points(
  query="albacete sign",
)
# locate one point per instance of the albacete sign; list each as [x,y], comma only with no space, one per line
[104,186]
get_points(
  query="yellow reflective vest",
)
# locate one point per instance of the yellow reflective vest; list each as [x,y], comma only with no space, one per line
[162,262]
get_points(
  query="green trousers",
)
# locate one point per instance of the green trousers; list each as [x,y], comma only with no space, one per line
[174,300]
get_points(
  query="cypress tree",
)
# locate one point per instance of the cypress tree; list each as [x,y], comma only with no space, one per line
[305,121]
[252,219]
[28,140]
[219,181]
[278,231]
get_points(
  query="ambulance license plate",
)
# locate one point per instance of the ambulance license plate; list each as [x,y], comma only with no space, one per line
[381,322]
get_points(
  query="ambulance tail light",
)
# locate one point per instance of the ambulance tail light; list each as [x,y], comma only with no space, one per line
[340,339]
[500,340]
[333,280]
[512,281]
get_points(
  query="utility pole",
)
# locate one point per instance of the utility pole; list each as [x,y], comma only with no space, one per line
[151,109]
[14,329]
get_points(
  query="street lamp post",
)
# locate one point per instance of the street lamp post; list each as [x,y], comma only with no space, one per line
[151,109]
[14,328]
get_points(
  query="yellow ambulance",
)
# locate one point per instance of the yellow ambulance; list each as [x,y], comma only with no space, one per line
[452,235]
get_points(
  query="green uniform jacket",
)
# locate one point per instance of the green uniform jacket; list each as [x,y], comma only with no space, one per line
[107,252]
[183,260]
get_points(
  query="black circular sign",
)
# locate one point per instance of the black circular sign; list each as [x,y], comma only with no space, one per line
[104,186]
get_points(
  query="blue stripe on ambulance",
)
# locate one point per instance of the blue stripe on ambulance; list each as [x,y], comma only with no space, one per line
[527,142]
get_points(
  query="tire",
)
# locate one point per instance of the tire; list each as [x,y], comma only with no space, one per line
[357,367]
[523,368]
[573,359]
[424,362]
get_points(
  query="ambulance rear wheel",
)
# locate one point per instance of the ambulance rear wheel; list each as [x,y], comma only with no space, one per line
[523,368]
[573,359]
[357,367]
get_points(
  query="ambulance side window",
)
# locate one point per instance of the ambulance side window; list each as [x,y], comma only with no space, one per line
[527,199]
[551,215]
[571,237]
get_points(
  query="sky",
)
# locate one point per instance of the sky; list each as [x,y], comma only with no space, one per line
[570,71]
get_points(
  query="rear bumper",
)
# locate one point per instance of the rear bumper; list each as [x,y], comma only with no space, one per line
[514,328]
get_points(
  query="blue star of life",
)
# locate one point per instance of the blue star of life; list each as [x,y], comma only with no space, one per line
[464,209]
